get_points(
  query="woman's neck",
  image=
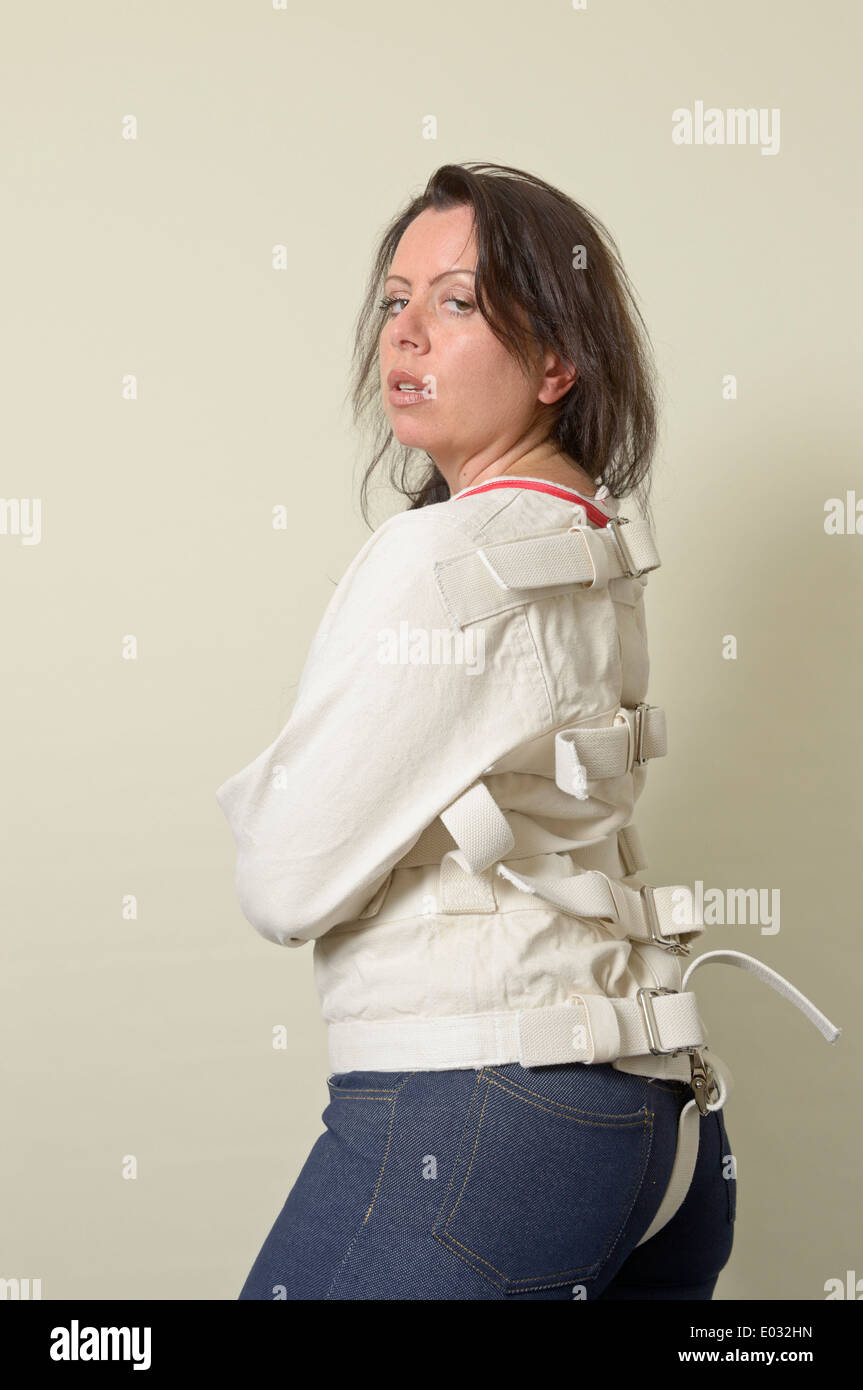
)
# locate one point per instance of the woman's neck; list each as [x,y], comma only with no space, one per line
[543,461]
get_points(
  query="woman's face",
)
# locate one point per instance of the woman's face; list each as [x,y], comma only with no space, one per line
[471,401]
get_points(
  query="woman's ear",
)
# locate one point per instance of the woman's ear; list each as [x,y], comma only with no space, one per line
[558,378]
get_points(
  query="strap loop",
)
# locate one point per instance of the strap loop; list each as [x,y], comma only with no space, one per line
[479,827]
[462,889]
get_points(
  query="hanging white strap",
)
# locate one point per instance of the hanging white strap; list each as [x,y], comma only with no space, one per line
[768,977]
[686,1151]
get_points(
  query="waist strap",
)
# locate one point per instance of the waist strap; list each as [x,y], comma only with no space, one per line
[587,1028]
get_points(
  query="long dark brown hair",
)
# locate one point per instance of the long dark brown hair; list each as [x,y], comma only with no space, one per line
[528,235]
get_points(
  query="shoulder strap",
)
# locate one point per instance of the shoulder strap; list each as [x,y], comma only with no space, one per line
[508,574]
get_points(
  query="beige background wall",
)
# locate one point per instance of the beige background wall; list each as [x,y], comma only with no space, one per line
[151,257]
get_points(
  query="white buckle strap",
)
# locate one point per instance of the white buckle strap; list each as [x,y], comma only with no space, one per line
[650,914]
[588,1028]
[592,1028]
[583,754]
[648,733]
[507,574]
[583,554]
[635,547]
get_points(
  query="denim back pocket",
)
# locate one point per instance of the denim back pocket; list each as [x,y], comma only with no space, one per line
[541,1190]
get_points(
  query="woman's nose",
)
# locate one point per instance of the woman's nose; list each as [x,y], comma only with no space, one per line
[408,327]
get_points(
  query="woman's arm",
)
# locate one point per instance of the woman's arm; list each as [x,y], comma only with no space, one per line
[384,735]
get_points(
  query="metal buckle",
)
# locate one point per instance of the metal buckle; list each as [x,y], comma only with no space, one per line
[613,525]
[675,948]
[640,711]
[702,1081]
[644,997]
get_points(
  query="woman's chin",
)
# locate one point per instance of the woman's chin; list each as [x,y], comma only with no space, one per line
[409,430]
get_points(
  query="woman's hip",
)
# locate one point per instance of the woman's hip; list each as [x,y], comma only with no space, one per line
[475,1184]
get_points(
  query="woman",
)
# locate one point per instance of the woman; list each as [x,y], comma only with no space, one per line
[522,1102]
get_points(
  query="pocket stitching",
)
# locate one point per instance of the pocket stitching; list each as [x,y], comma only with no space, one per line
[470,1109]
[506,1083]
[364,1091]
[394,1094]
[361,1095]
[450,1241]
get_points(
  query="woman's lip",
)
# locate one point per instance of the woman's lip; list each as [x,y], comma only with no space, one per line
[398,397]
[397,375]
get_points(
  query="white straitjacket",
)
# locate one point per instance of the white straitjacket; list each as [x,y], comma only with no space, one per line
[447,813]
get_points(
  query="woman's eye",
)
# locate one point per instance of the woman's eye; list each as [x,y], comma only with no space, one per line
[387,304]
[463,306]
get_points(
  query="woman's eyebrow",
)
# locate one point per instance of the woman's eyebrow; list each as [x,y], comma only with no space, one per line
[456,270]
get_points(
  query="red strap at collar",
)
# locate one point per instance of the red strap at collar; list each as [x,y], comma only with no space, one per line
[598,517]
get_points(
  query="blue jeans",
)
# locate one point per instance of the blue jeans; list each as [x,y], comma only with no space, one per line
[496,1183]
